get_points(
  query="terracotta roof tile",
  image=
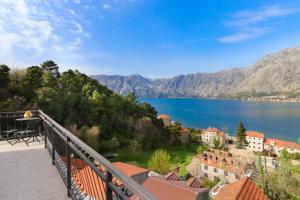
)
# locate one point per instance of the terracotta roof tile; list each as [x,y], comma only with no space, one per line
[255,134]
[163,116]
[129,170]
[244,189]
[170,190]
[282,143]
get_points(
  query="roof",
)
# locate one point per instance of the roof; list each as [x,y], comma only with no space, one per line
[212,129]
[184,130]
[170,190]
[282,143]
[244,189]
[255,134]
[129,170]
[163,116]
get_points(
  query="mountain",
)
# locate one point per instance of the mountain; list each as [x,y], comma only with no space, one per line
[277,74]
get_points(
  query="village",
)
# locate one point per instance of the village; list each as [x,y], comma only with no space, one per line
[234,169]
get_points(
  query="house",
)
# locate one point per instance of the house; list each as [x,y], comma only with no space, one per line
[208,135]
[244,189]
[184,135]
[165,118]
[213,164]
[274,146]
[255,141]
[171,187]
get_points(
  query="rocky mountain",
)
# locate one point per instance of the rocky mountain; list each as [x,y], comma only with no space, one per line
[276,74]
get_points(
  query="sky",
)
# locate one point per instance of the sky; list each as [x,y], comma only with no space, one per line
[154,38]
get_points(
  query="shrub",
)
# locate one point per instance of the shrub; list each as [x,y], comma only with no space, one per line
[160,162]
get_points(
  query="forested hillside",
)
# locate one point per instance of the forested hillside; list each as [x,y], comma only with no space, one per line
[104,119]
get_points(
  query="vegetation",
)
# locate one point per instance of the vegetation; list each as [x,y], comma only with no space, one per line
[241,141]
[216,142]
[285,155]
[160,162]
[283,183]
[103,119]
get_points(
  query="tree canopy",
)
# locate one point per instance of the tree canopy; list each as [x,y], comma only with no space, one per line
[82,105]
[241,141]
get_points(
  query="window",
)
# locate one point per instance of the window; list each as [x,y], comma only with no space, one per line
[205,167]
[215,170]
[225,173]
[205,175]
[237,176]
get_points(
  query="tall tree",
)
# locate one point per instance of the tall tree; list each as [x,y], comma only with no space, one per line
[160,162]
[51,66]
[241,141]
[4,75]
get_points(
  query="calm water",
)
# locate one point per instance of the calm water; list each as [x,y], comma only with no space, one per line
[279,120]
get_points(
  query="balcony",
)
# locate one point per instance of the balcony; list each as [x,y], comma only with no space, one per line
[60,166]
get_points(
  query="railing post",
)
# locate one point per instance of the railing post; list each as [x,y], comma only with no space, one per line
[45,134]
[53,146]
[108,189]
[68,166]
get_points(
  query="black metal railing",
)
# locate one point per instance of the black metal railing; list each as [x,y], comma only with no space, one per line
[86,173]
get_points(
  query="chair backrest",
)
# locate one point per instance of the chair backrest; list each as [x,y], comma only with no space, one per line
[34,124]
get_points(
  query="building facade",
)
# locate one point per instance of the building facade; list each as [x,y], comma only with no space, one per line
[223,165]
[165,118]
[208,135]
[255,141]
[275,146]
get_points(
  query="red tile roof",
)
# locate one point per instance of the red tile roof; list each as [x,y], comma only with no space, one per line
[184,130]
[163,116]
[255,134]
[212,129]
[129,170]
[282,143]
[170,190]
[244,189]
[172,176]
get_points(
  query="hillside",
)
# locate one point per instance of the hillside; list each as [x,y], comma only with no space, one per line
[276,75]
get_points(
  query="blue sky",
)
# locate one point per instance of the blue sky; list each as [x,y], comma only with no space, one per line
[154,38]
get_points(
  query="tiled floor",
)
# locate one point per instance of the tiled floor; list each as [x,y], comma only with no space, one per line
[27,173]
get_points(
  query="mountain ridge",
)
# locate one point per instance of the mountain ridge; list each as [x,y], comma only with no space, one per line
[276,74]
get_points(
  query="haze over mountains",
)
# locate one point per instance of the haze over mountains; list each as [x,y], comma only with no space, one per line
[275,74]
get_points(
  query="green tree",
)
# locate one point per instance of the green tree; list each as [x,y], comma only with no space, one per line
[160,162]
[216,142]
[32,80]
[52,67]
[4,76]
[241,141]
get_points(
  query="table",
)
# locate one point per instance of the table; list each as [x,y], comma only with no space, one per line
[30,129]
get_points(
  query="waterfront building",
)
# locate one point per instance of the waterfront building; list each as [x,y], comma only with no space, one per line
[275,146]
[208,135]
[255,141]
[165,118]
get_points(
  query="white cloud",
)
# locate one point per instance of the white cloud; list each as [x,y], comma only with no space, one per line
[242,36]
[248,17]
[249,24]
[106,6]
[31,31]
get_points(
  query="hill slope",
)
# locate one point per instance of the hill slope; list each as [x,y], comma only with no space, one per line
[275,74]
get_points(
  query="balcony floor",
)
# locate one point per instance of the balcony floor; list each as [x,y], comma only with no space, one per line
[27,173]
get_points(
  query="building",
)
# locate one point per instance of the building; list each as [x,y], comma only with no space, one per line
[274,146]
[215,164]
[165,118]
[255,141]
[171,187]
[184,135]
[208,135]
[244,189]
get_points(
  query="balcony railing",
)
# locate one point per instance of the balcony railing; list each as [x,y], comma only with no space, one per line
[86,173]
